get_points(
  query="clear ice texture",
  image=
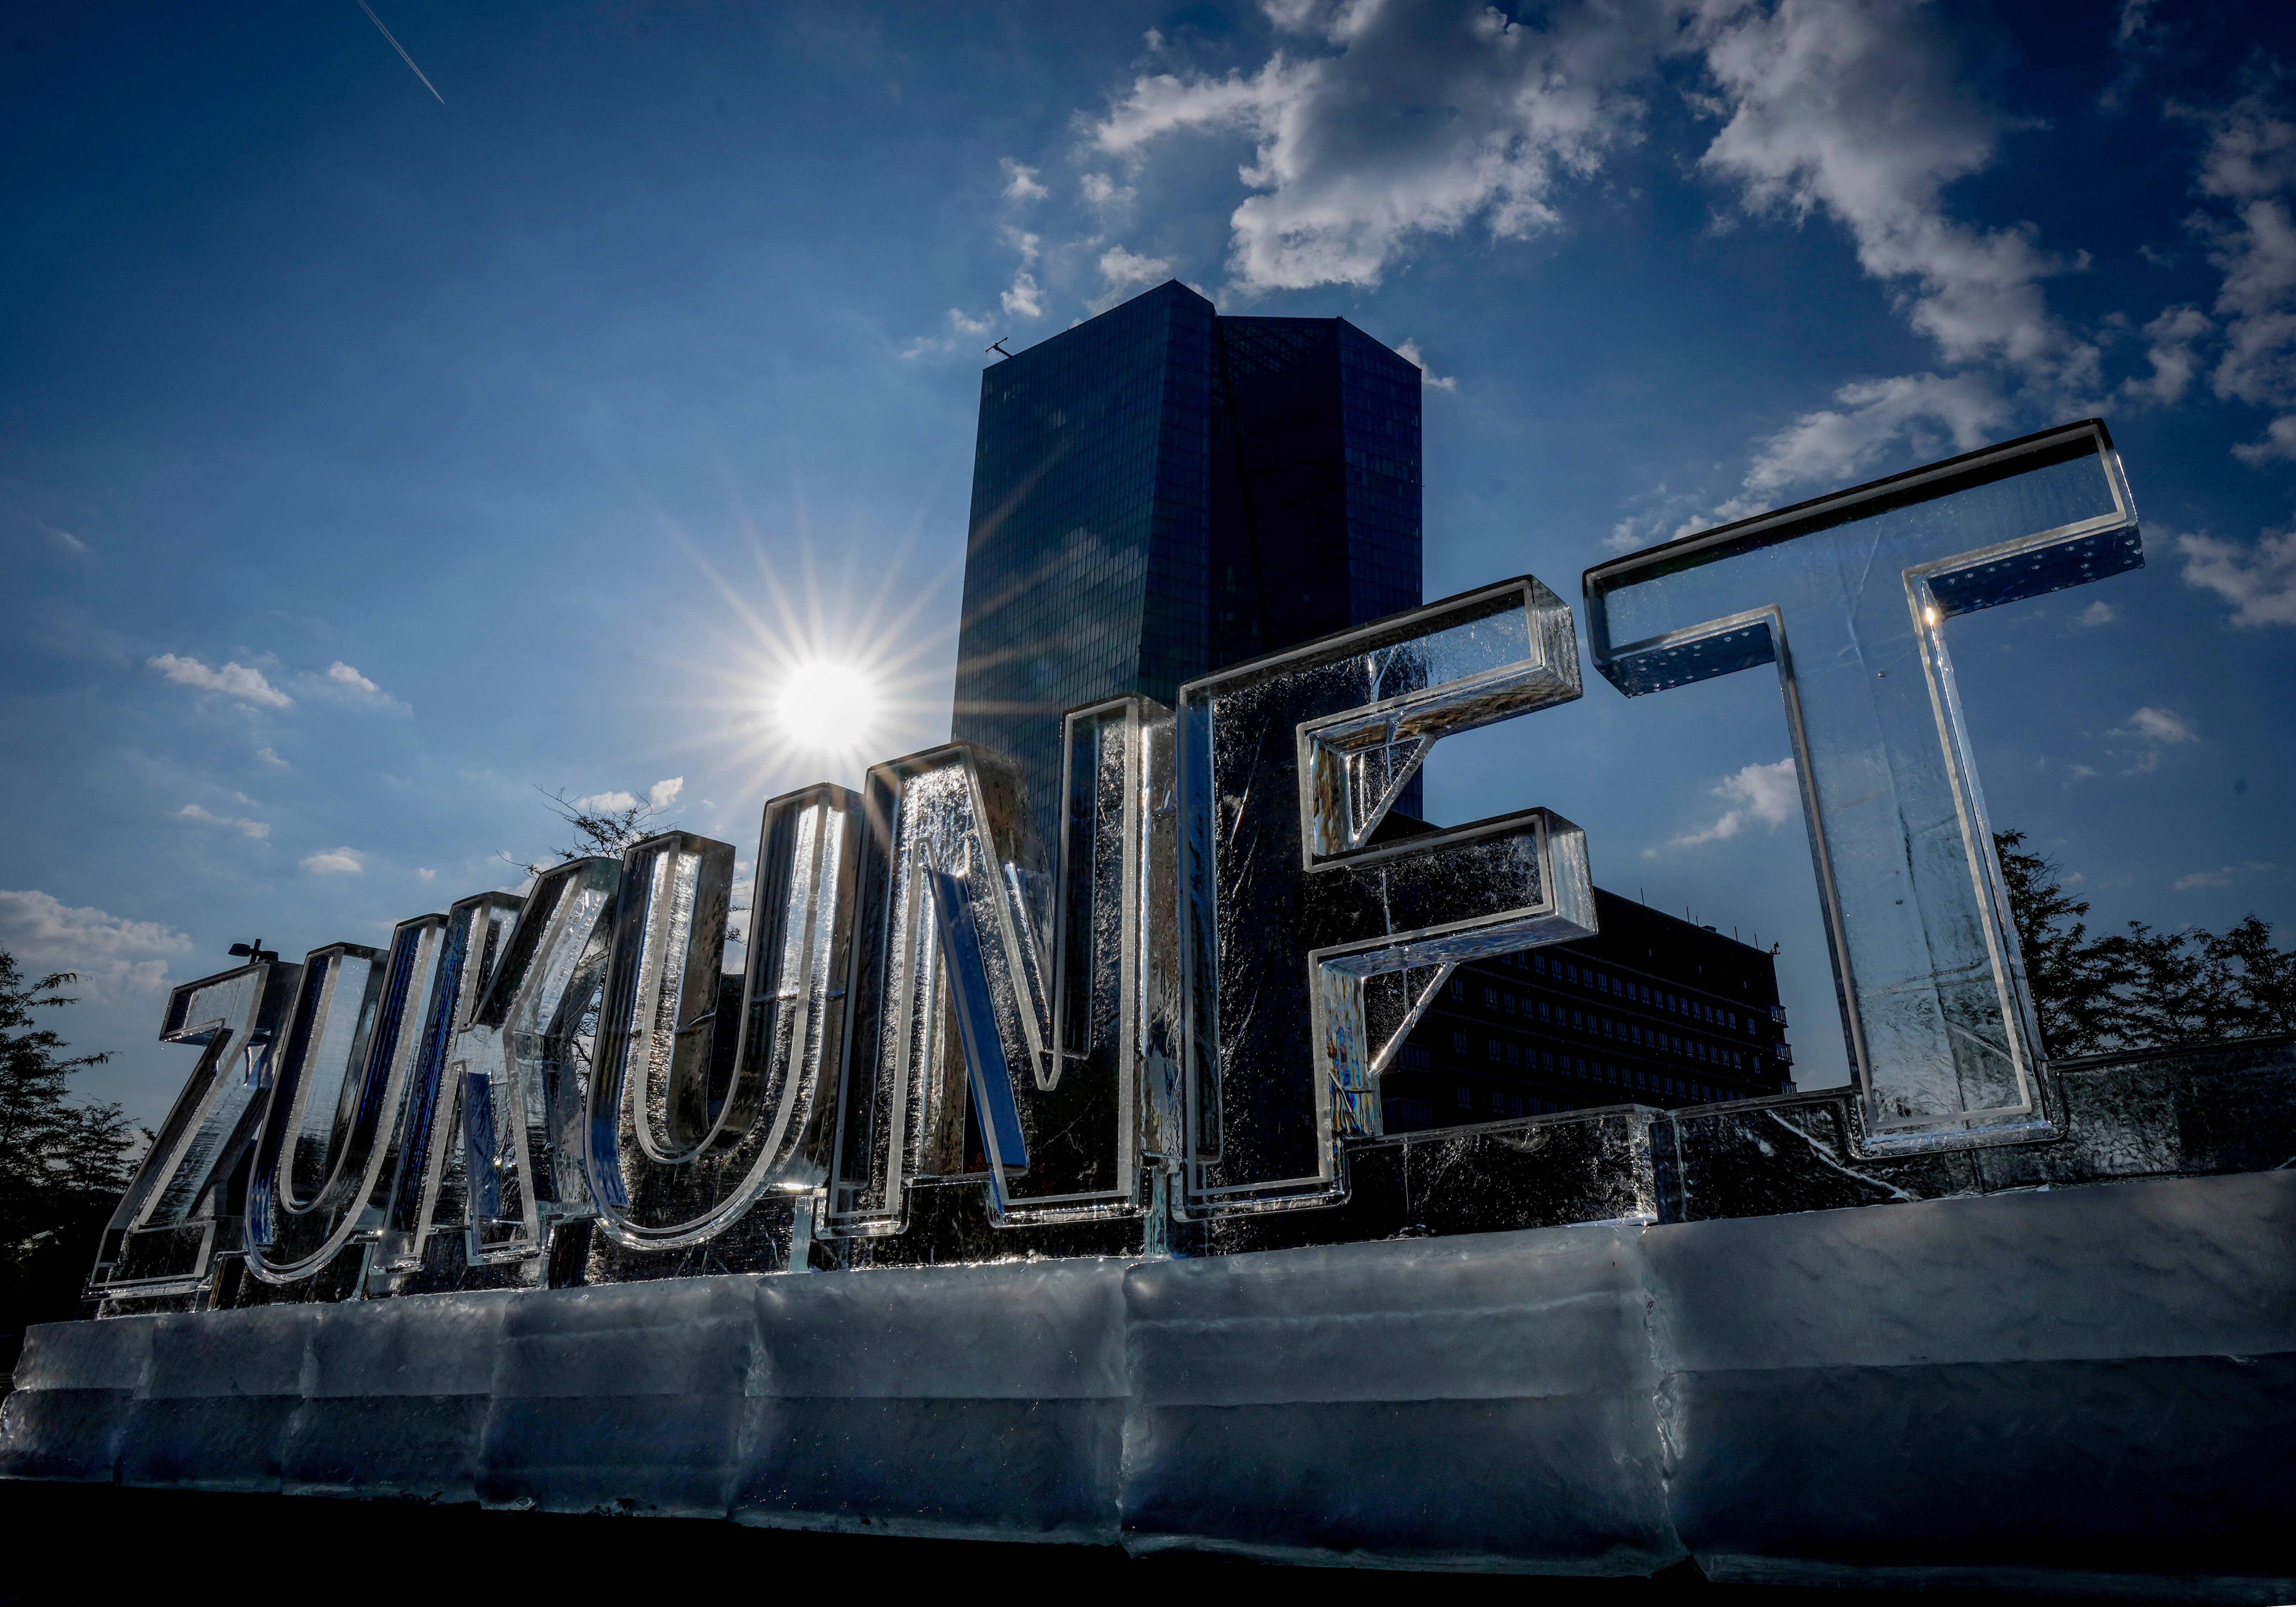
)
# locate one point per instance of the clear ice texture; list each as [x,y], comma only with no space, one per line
[175,1215]
[2041,1386]
[523,1063]
[1848,596]
[946,826]
[324,1162]
[1049,1001]
[697,1104]
[429,1184]
[1311,944]
[1110,1090]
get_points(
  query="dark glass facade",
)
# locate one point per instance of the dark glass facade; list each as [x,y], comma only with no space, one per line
[1652,1011]
[1160,491]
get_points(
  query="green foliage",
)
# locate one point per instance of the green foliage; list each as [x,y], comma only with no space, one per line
[63,1164]
[2140,988]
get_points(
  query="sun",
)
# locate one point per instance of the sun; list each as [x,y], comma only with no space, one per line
[815,677]
[827,707]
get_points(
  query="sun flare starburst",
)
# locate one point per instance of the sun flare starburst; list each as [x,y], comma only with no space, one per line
[814,681]
[823,705]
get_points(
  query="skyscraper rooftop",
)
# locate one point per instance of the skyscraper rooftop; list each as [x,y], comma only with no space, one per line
[1160,491]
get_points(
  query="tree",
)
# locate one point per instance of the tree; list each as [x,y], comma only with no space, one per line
[2060,962]
[63,1164]
[2138,988]
[597,829]
[2245,966]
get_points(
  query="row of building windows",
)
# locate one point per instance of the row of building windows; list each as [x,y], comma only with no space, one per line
[1555,968]
[1509,1101]
[1649,1042]
[1405,1113]
[1635,1078]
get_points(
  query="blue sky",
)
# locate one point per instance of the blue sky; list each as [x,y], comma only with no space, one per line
[370,457]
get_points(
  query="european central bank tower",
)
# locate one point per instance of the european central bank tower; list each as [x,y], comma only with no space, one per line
[1161,491]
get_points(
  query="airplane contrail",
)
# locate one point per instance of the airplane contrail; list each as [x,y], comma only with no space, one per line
[401,49]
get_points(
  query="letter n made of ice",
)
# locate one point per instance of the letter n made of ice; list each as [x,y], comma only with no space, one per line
[1317,925]
[1848,595]
[968,1029]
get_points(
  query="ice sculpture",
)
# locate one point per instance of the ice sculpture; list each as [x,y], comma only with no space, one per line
[1849,595]
[179,1210]
[709,1091]
[429,1184]
[323,1165]
[1177,1018]
[955,933]
[1303,926]
[523,1063]
[1109,1094]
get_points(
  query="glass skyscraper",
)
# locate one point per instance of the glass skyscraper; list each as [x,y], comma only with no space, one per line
[1161,491]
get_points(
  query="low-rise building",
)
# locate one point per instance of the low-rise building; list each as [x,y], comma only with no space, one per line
[1653,1009]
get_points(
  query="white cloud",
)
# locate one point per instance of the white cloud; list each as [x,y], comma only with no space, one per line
[1376,124]
[2259,305]
[2169,339]
[270,757]
[1766,794]
[1104,194]
[113,956]
[2159,726]
[2223,876]
[256,828]
[344,683]
[426,873]
[2096,613]
[963,329]
[66,540]
[2252,148]
[1936,412]
[1381,122]
[335,862]
[1425,119]
[234,680]
[1410,353]
[659,796]
[2250,160]
[1123,269]
[1857,110]
[1020,183]
[2279,442]
[1024,299]
[2260,583]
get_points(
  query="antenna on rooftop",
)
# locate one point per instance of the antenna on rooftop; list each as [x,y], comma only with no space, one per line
[997,346]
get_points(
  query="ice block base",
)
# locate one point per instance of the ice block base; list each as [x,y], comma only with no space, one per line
[2090,1388]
